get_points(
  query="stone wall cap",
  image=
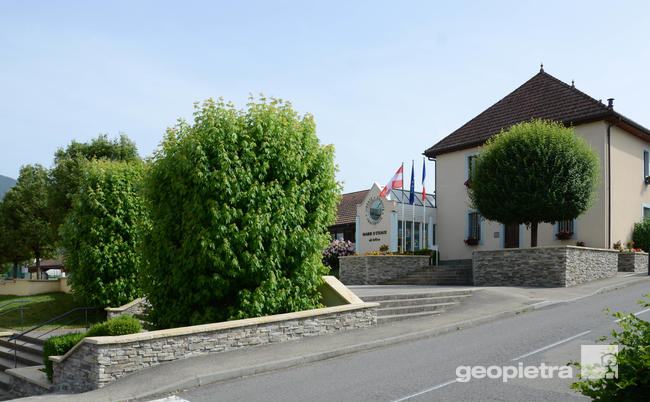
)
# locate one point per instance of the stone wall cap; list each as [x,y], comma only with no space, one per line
[212,327]
[341,289]
[383,255]
[546,248]
[126,306]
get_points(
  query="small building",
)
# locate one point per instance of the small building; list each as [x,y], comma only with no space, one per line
[50,267]
[345,226]
[393,222]
[622,145]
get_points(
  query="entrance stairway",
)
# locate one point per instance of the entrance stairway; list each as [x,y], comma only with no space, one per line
[402,306]
[431,275]
[29,352]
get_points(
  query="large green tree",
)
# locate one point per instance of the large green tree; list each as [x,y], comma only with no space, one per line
[239,204]
[27,208]
[537,171]
[12,248]
[100,234]
[67,173]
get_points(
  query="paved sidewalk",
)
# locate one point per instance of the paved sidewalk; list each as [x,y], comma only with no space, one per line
[486,305]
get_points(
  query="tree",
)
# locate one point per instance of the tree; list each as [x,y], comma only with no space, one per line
[26,206]
[12,249]
[67,174]
[100,234]
[239,204]
[641,234]
[537,171]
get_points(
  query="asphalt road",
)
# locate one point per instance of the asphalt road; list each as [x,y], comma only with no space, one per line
[426,370]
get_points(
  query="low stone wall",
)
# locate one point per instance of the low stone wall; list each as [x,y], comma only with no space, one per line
[378,269]
[28,287]
[561,266]
[28,381]
[135,308]
[97,361]
[632,262]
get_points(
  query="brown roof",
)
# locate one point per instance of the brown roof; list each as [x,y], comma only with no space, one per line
[347,208]
[48,264]
[543,97]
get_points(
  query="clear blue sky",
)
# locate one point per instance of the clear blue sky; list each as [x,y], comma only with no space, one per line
[384,80]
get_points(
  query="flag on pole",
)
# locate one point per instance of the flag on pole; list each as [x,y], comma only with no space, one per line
[412,194]
[396,182]
[424,174]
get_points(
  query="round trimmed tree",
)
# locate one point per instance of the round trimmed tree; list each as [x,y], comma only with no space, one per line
[239,204]
[537,171]
[100,234]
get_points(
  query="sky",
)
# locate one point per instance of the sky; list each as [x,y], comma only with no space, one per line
[384,80]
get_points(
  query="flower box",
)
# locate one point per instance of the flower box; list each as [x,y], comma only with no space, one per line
[563,235]
[471,241]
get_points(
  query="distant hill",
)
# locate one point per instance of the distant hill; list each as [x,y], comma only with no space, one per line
[5,184]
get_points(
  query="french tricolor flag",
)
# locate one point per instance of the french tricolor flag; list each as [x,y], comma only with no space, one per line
[424,174]
[396,182]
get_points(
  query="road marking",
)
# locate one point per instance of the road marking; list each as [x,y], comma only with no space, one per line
[444,384]
[637,313]
[551,345]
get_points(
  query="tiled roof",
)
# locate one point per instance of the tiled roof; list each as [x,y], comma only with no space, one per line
[347,208]
[542,96]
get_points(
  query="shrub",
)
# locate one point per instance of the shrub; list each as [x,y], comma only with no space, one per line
[57,346]
[239,202]
[336,249]
[641,234]
[633,360]
[100,234]
[122,325]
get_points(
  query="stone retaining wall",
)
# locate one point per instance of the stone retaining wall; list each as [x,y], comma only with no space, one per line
[561,266]
[28,381]
[378,269]
[632,262]
[136,307]
[97,361]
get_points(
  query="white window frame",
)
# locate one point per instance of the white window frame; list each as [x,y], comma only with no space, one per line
[557,229]
[480,225]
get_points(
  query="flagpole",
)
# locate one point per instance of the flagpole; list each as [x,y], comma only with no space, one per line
[403,226]
[413,208]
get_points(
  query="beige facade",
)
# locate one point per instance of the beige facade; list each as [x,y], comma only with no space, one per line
[628,196]
[377,226]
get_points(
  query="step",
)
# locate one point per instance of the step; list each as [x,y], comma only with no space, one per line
[5,381]
[382,312]
[400,317]
[424,300]
[22,345]
[417,295]
[29,339]
[25,359]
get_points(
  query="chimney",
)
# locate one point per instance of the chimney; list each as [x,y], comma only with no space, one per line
[610,103]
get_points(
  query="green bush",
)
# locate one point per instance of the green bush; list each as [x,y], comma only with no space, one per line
[633,360]
[239,203]
[57,346]
[121,325]
[641,234]
[100,234]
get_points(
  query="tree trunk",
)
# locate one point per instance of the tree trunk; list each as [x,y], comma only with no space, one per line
[38,265]
[533,234]
[15,270]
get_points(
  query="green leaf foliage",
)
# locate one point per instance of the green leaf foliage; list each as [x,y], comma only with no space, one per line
[641,234]
[101,234]
[633,361]
[68,172]
[57,346]
[537,171]
[61,344]
[239,203]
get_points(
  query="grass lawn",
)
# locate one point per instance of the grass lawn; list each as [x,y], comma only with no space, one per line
[40,308]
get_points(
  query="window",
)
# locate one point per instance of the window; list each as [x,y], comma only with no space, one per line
[340,236]
[416,235]
[565,229]
[646,211]
[474,226]
[646,163]
[471,164]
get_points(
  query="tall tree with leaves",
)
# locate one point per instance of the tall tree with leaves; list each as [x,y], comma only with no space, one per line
[12,248]
[537,171]
[239,204]
[27,203]
[100,234]
[67,174]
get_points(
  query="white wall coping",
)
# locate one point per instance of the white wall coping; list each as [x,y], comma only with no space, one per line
[31,374]
[384,255]
[126,306]
[548,247]
[354,304]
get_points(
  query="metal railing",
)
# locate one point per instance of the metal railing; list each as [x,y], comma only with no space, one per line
[15,337]
[21,308]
